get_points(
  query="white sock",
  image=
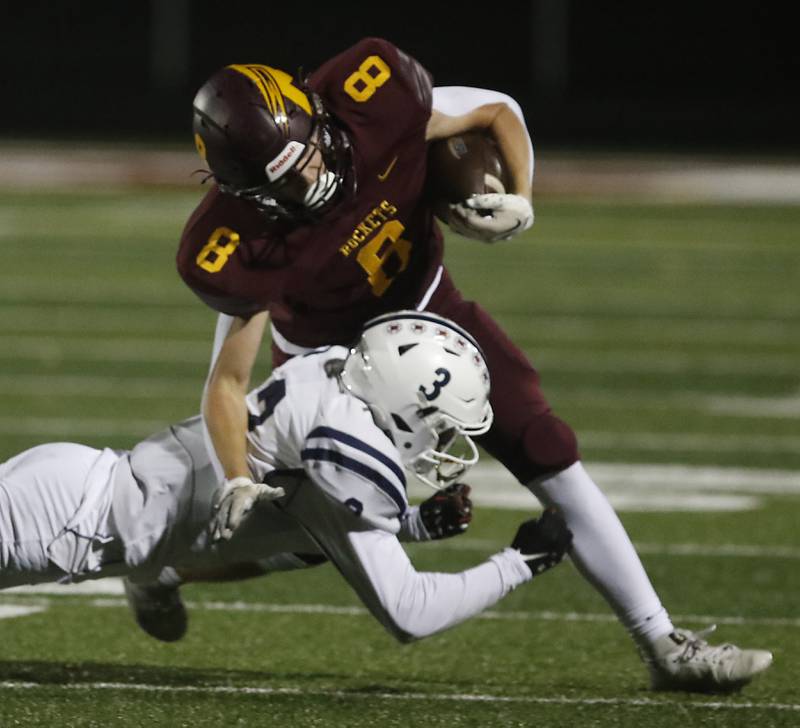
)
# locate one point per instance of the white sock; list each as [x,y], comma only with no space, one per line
[604,554]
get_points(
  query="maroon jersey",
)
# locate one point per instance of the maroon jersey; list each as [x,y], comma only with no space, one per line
[377,250]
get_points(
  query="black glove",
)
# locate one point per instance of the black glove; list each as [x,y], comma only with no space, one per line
[447,513]
[543,542]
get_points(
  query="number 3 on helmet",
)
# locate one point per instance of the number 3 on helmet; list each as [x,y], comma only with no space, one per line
[426,383]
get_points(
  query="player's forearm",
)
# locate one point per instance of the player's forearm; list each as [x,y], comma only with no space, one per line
[225,413]
[412,604]
[507,129]
[512,139]
[224,407]
[434,601]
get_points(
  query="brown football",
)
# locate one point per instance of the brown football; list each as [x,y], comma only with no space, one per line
[461,166]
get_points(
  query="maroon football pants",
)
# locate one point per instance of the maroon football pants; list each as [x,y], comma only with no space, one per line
[526,436]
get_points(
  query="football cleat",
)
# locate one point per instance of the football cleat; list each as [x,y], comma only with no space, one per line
[683,660]
[158,609]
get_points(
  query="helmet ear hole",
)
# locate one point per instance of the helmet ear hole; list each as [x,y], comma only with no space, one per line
[400,423]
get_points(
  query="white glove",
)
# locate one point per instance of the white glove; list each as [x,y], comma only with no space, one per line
[236,500]
[491,217]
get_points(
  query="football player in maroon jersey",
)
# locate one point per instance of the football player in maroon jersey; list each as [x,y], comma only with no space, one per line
[316,221]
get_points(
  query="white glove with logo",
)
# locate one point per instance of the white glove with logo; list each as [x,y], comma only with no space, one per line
[491,217]
[237,499]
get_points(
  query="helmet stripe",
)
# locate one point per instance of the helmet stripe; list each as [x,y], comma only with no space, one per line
[273,85]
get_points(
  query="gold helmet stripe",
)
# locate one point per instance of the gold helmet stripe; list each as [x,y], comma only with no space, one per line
[274,85]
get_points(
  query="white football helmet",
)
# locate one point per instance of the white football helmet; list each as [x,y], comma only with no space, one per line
[426,383]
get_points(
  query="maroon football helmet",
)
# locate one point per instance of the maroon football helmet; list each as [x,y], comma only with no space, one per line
[257,130]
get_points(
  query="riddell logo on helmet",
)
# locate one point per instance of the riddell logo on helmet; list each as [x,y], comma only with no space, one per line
[284,161]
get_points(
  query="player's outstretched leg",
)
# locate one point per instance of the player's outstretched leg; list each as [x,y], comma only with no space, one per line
[158,609]
[602,551]
[683,660]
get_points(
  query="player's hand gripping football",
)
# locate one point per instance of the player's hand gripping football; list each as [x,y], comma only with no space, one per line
[237,499]
[491,216]
[448,512]
[543,542]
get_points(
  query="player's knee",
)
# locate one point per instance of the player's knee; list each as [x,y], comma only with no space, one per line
[550,445]
[544,445]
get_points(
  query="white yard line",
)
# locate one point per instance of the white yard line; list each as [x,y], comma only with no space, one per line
[93,385]
[777,407]
[690,442]
[153,349]
[139,349]
[9,611]
[644,487]
[692,550]
[41,603]
[75,429]
[398,696]
[493,615]
[662,361]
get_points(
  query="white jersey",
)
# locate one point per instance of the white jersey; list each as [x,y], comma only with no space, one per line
[138,512]
[301,420]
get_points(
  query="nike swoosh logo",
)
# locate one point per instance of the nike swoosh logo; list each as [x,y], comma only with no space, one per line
[382,177]
[528,557]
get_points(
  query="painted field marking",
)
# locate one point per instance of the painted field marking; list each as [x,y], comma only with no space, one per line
[777,407]
[152,349]
[93,385]
[489,614]
[357,611]
[642,487]
[71,429]
[371,695]
[702,442]
[9,611]
[93,587]
[140,349]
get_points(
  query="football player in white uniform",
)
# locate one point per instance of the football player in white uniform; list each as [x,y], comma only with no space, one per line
[330,437]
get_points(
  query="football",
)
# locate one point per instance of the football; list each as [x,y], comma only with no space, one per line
[461,166]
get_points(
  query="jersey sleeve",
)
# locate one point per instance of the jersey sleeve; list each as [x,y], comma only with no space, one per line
[410,604]
[375,85]
[221,257]
[414,604]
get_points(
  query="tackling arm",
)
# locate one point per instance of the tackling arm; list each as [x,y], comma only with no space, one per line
[408,603]
[412,604]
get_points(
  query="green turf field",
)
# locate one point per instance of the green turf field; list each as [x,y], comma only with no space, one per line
[665,334]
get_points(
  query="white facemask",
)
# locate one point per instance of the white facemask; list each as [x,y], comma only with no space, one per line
[321,191]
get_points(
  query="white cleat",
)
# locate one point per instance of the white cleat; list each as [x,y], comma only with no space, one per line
[683,660]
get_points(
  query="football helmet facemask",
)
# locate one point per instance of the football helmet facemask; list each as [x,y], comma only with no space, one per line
[257,130]
[426,382]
